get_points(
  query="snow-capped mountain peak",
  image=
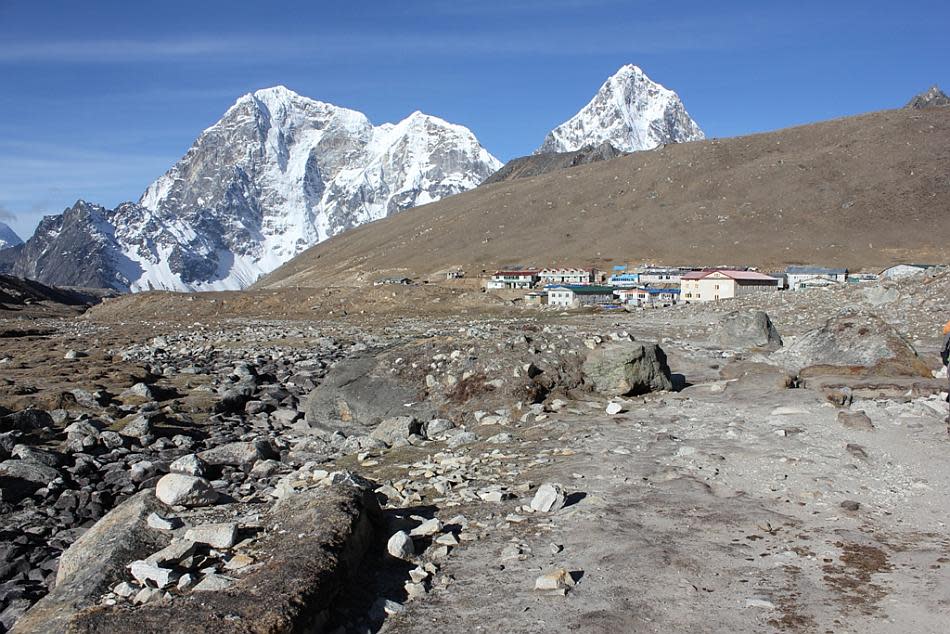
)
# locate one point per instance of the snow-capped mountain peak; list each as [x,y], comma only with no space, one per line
[276,174]
[631,112]
[8,237]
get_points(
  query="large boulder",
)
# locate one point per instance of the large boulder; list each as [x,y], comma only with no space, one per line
[627,368]
[853,342]
[94,563]
[22,478]
[305,567]
[357,394]
[749,330]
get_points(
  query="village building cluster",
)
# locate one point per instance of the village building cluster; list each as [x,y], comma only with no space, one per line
[654,286]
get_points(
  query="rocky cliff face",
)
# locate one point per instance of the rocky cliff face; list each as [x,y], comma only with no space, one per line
[76,248]
[630,112]
[278,173]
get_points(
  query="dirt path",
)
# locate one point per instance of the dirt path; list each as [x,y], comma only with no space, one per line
[715,511]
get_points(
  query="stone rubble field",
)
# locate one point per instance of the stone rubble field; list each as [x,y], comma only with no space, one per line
[698,468]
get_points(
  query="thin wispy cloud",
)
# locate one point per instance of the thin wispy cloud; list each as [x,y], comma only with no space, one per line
[533,7]
[37,179]
[113,50]
[646,37]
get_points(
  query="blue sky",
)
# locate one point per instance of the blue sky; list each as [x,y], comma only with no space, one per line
[99,98]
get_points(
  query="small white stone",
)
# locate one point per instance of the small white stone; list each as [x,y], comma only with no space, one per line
[145,572]
[759,603]
[400,546]
[491,496]
[415,590]
[222,535]
[185,582]
[189,464]
[145,595]
[386,607]
[428,527]
[557,581]
[124,590]
[158,522]
[173,553]
[213,582]
[549,498]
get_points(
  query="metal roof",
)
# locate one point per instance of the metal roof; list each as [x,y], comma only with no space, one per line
[650,290]
[736,275]
[814,270]
[587,289]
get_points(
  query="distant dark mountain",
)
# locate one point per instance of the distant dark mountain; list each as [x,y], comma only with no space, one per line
[8,237]
[932,98]
[16,293]
[537,164]
[76,248]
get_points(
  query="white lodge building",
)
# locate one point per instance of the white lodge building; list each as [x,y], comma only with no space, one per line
[658,275]
[713,285]
[583,295]
[803,276]
[513,279]
[566,276]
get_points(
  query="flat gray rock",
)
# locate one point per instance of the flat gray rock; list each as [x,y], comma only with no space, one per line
[222,535]
[238,454]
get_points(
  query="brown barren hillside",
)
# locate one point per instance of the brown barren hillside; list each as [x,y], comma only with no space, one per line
[863,192]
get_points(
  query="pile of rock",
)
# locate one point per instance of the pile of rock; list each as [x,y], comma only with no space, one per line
[214,419]
[184,567]
[200,561]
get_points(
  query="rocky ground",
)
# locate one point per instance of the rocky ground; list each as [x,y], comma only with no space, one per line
[660,470]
